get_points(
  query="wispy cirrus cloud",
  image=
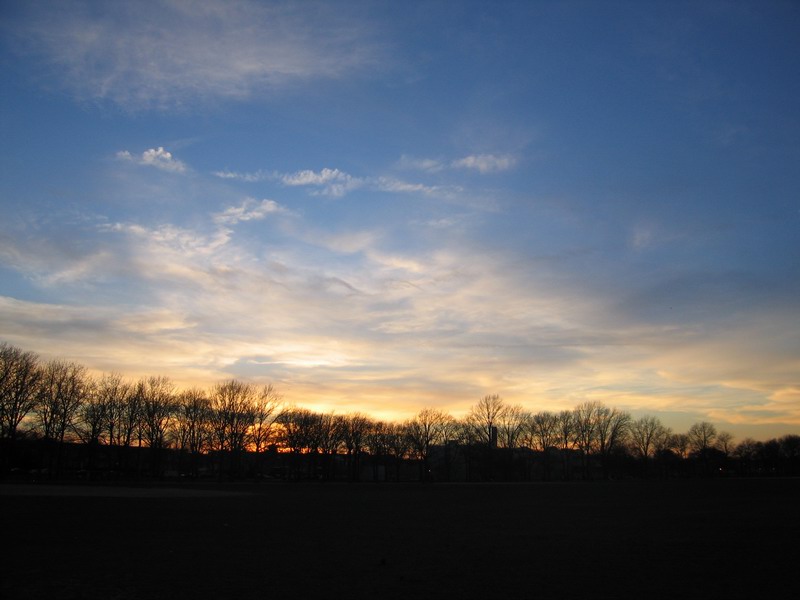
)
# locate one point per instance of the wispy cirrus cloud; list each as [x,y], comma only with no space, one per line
[483,163]
[429,165]
[155,157]
[173,54]
[327,182]
[249,210]
[337,183]
[254,177]
[330,182]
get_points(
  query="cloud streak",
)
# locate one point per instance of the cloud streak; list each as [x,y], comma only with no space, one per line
[337,183]
[485,163]
[171,53]
[482,163]
[249,210]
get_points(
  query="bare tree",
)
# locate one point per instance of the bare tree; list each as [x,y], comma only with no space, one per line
[543,431]
[330,440]
[19,377]
[90,422]
[158,412]
[585,422]
[61,391]
[354,429]
[566,438]
[398,445]
[679,443]
[232,414]
[232,419]
[295,429]
[483,418]
[511,426]
[378,448]
[725,442]
[113,392]
[542,435]
[267,405]
[301,432]
[612,429]
[746,452]
[192,425]
[647,435]
[790,446]
[426,429]
[702,436]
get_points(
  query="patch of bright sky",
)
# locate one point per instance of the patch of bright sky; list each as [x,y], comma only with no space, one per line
[385,206]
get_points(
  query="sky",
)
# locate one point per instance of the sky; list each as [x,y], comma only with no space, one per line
[385,206]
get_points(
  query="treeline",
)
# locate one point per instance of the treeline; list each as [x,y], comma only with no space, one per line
[56,420]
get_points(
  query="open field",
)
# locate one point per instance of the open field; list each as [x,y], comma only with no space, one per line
[705,539]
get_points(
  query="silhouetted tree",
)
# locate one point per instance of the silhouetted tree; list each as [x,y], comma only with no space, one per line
[193,425]
[112,392]
[158,411]
[702,436]
[91,418]
[680,444]
[511,426]
[397,445]
[301,434]
[425,430]
[745,453]
[611,433]
[90,421]
[61,391]
[267,406]
[725,442]
[585,423]
[19,378]
[377,446]
[294,430]
[566,438]
[647,436]
[354,431]
[542,435]
[235,417]
[330,440]
[542,430]
[231,414]
[790,452]
[483,418]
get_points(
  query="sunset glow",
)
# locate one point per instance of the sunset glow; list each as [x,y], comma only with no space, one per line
[379,207]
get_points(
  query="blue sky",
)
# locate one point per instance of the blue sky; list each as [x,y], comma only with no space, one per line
[381,206]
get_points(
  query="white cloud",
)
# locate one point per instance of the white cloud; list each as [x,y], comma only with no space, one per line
[249,210]
[389,184]
[485,163]
[337,183]
[155,157]
[332,182]
[308,177]
[428,165]
[246,177]
[174,54]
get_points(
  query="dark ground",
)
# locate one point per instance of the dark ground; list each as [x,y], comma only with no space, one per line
[685,539]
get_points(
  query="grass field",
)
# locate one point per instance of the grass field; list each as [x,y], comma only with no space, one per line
[699,539]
